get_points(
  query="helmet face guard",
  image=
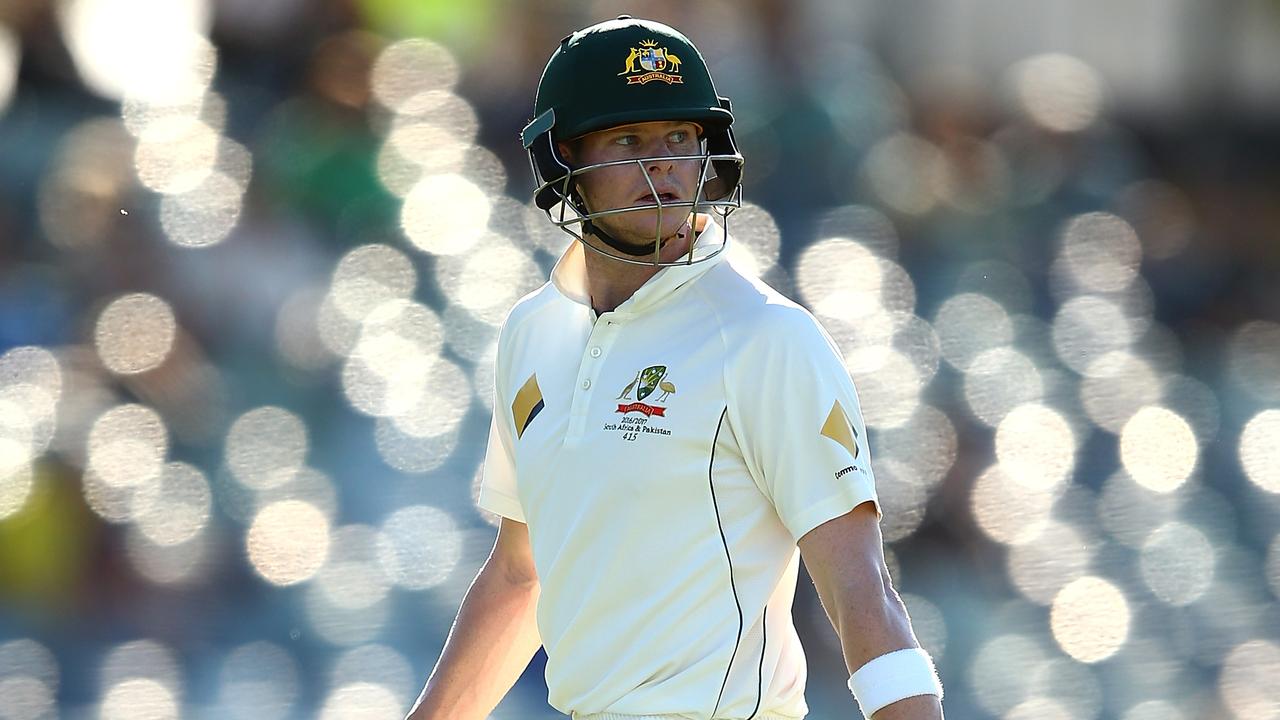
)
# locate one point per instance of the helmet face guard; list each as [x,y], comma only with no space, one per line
[664,78]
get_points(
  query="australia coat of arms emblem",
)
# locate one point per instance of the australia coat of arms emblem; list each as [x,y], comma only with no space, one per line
[650,62]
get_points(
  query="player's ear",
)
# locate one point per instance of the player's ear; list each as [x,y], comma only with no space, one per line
[566,151]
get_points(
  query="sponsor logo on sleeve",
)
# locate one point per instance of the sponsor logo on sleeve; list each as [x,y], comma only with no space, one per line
[527,405]
[838,428]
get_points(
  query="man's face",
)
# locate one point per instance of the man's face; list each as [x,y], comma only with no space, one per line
[625,185]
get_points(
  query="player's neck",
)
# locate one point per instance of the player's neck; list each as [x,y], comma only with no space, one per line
[612,282]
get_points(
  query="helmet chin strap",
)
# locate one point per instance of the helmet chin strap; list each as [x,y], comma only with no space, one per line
[626,248]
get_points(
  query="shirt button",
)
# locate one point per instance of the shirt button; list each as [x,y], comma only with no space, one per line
[595,352]
[586,384]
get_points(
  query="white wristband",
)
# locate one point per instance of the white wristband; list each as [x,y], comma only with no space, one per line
[893,677]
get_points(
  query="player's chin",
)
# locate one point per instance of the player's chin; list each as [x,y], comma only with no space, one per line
[642,226]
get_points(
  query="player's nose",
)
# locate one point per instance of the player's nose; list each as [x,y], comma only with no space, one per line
[660,158]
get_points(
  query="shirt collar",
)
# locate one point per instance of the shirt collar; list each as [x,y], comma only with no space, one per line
[570,273]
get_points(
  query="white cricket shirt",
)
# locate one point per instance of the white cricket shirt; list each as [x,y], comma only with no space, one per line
[666,457]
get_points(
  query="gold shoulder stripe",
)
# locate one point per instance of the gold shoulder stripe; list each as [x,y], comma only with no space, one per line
[838,428]
[527,405]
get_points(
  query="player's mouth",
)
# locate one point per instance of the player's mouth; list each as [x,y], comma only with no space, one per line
[665,197]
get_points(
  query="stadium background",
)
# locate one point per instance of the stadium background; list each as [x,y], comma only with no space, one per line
[253,255]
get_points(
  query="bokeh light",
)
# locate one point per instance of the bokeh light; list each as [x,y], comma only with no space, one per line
[1069,684]
[139,699]
[10,53]
[908,173]
[1273,565]
[127,446]
[419,546]
[351,578]
[926,443]
[1042,566]
[902,499]
[1259,451]
[999,380]
[154,49]
[183,563]
[140,680]
[266,447]
[341,624]
[1130,512]
[1115,387]
[1039,708]
[487,281]
[411,453]
[134,333]
[890,394]
[205,214]
[929,624]
[756,239]
[138,113]
[1035,446]
[1008,511]
[1254,359]
[15,473]
[1158,449]
[369,276]
[1101,252]
[390,367]
[436,411]
[1059,92]
[26,698]
[176,154]
[92,171]
[29,680]
[1177,563]
[998,671]
[376,664]
[288,542]
[179,509]
[409,68]
[1087,328]
[969,324]
[445,214]
[822,278]
[1153,710]
[1250,680]
[259,681]
[141,658]
[361,701]
[1090,619]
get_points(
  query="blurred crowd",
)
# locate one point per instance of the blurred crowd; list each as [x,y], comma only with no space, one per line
[254,256]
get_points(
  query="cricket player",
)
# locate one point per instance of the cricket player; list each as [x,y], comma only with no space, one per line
[670,436]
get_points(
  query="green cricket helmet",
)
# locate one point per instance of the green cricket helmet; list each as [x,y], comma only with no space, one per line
[620,72]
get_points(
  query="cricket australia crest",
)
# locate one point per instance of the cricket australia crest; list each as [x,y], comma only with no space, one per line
[650,62]
[651,385]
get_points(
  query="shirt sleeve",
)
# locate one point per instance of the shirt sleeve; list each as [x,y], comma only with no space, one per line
[498,478]
[498,490]
[795,412]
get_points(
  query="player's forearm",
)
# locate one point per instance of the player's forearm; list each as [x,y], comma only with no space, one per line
[871,621]
[490,645]
[872,624]
[877,625]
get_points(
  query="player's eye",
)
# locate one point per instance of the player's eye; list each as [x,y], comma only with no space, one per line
[627,140]
[678,137]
